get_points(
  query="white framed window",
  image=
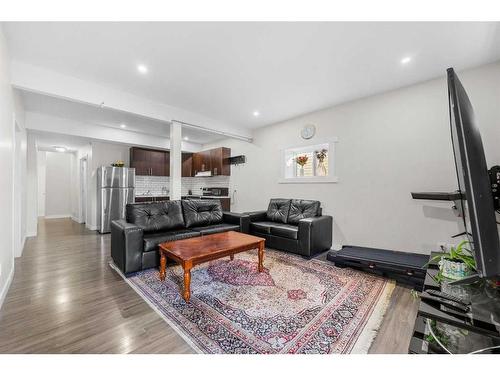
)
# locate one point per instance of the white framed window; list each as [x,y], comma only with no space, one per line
[310,163]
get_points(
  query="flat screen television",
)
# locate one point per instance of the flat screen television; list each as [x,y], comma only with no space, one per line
[473,180]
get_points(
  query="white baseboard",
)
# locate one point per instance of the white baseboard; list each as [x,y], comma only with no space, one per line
[63,216]
[74,218]
[5,289]
[91,227]
[32,234]
[23,242]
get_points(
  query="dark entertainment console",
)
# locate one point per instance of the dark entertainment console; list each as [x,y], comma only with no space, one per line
[439,328]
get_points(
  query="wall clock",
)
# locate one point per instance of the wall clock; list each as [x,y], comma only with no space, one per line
[308,131]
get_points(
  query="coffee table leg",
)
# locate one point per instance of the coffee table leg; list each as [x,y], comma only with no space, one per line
[163,265]
[261,256]
[187,284]
[231,256]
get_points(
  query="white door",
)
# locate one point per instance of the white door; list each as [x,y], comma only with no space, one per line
[83,189]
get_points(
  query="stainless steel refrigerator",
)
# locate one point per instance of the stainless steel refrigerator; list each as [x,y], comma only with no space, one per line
[115,189]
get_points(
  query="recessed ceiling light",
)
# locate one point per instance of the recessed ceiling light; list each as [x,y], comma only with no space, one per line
[123,126]
[143,69]
[405,60]
[186,138]
[60,148]
[256,113]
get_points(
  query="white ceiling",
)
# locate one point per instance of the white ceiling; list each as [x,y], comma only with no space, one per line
[226,71]
[86,113]
[47,141]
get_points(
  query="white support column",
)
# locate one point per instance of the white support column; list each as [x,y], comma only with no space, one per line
[175,160]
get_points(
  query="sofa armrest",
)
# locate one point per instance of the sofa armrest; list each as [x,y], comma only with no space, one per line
[257,215]
[315,234]
[242,220]
[126,246]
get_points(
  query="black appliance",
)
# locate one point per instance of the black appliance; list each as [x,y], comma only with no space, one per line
[215,191]
[473,180]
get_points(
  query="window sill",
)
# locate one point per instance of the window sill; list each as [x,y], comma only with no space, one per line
[309,180]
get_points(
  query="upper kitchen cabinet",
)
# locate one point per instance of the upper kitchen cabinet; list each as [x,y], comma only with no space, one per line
[187,165]
[148,162]
[214,161]
[202,162]
[219,161]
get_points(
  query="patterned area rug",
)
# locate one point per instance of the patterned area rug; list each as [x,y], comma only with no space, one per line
[294,306]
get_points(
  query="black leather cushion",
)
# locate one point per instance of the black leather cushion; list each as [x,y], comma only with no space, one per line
[216,228]
[156,217]
[285,230]
[151,241]
[199,212]
[261,227]
[278,210]
[302,209]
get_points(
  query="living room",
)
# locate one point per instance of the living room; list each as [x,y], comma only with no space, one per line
[249,188]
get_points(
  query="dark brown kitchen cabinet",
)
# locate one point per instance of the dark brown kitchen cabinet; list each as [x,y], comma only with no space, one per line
[149,162]
[187,165]
[214,160]
[219,161]
[202,162]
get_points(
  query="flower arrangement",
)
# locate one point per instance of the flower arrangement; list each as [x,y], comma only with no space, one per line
[301,160]
[321,155]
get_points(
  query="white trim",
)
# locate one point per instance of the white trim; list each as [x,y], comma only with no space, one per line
[74,218]
[62,216]
[6,287]
[309,180]
[151,304]
[23,242]
[33,234]
[91,227]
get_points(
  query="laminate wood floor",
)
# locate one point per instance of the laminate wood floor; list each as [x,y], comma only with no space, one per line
[66,299]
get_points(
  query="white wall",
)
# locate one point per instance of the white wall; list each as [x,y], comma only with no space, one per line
[13,167]
[31,186]
[58,184]
[388,145]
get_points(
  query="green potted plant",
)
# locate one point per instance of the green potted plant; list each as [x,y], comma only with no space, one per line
[456,264]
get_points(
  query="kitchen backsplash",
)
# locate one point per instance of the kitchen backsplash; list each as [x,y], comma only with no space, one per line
[158,185]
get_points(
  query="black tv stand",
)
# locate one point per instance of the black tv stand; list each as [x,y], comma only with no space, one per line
[439,329]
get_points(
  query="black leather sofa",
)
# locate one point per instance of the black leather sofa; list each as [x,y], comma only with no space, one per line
[293,225]
[134,241]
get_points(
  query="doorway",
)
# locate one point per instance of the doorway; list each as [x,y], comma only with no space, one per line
[83,190]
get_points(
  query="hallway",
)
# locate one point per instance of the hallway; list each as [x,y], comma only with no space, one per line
[66,299]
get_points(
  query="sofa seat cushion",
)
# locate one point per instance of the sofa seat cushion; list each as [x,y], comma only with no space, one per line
[302,209]
[156,217]
[198,213]
[215,228]
[261,227]
[151,241]
[285,230]
[278,210]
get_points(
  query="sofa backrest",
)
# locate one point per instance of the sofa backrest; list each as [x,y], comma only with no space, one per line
[156,217]
[278,210]
[198,212]
[302,209]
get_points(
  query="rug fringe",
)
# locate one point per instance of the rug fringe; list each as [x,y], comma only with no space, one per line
[365,339]
[168,321]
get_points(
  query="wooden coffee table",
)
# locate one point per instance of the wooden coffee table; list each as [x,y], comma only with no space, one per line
[196,250]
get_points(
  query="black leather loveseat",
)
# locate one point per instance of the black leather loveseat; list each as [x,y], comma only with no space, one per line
[293,225]
[134,241]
